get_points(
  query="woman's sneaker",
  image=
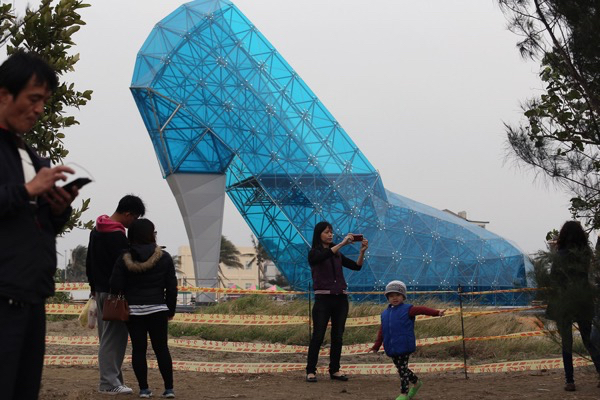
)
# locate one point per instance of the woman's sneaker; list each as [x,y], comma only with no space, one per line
[169,394]
[145,393]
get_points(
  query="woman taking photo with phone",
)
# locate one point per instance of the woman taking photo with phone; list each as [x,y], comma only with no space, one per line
[331,301]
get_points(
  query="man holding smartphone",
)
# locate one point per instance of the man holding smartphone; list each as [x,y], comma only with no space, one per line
[33,210]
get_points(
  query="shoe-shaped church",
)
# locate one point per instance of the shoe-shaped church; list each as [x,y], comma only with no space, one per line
[228,115]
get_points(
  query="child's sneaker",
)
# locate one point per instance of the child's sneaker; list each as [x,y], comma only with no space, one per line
[169,394]
[413,390]
[145,393]
[403,396]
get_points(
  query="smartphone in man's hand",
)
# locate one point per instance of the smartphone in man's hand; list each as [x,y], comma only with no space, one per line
[357,238]
[78,183]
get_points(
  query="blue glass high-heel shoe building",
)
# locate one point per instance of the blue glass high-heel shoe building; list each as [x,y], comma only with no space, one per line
[227,114]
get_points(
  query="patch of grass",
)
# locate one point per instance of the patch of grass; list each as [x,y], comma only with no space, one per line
[257,305]
[59,317]
[256,334]
[477,351]
[60,298]
[263,305]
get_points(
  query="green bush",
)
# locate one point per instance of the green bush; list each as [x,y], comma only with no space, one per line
[485,325]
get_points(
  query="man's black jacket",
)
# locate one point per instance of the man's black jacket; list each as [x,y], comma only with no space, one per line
[27,230]
[104,249]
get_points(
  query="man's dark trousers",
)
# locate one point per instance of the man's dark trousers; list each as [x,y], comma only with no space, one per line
[22,344]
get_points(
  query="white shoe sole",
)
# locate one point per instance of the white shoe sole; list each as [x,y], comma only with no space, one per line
[113,393]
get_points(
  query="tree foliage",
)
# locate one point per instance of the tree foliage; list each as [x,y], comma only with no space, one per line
[560,136]
[281,281]
[76,266]
[47,31]
[260,256]
[7,18]
[230,256]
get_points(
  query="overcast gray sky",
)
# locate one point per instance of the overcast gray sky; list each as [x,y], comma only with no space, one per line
[422,87]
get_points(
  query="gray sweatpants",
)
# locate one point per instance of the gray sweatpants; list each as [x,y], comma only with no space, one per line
[113,342]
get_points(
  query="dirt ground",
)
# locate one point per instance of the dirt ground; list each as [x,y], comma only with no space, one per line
[73,383]
[79,382]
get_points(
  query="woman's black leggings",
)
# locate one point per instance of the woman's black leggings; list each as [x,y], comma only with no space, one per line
[156,325]
[565,329]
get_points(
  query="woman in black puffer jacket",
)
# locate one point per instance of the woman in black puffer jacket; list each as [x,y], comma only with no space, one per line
[146,275]
[571,295]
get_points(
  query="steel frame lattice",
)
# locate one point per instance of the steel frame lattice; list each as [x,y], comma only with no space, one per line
[216,97]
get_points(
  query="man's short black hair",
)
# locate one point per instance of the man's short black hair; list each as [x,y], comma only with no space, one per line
[131,204]
[18,69]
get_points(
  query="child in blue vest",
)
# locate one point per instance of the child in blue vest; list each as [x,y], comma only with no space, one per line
[397,332]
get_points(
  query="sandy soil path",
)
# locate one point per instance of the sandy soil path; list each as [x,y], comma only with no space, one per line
[80,382]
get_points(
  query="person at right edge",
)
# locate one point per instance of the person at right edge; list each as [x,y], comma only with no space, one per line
[107,243]
[331,301]
[397,333]
[571,295]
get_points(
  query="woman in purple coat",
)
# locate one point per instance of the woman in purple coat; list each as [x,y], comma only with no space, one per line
[331,301]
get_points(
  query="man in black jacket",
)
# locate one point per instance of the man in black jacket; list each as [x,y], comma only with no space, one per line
[107,242]
[33,210]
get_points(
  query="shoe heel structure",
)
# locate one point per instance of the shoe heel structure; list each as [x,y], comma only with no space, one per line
[228,115]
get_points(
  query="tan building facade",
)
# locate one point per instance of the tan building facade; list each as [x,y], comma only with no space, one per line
[185,267]
[242,278]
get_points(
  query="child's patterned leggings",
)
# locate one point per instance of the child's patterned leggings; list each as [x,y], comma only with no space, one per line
[406,374]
